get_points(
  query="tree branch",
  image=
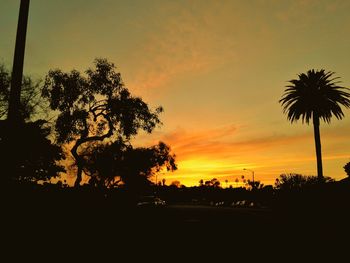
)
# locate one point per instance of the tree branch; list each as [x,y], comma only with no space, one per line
[84,138]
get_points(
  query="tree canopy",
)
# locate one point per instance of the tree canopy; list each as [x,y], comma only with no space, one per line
[27,152]
[347,168]
[315,93]
[298,181]
[115,163]
[32,106]
[94,107]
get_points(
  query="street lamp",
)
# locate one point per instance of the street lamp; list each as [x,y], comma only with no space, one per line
[250,171]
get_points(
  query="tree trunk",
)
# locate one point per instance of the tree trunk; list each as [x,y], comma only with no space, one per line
[78,160]
[316,122]
[17,70]
[79,176]
[83,139]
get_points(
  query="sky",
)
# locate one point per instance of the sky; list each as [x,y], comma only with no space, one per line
[218,68]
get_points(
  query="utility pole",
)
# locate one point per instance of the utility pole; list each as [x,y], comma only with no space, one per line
[17,69]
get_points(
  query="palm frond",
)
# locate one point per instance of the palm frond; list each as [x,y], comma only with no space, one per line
[315,93]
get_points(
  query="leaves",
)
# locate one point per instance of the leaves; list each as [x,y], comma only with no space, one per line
[294,181]
[96,102]
[134,166]
[27,154]
[32,105]
[95,107]
[347,168]
[315,93]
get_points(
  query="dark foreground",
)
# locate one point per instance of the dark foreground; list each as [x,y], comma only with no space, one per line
[37,225]
[194,224]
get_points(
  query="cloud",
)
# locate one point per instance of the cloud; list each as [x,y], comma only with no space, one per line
[184,43]
[221,142]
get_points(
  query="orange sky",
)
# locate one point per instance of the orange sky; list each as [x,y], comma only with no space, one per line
[217,67]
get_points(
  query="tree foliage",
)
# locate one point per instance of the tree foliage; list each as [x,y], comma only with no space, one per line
[94,107]
[116,163]
[215,183]
[315,93]
[32,106]
[175,184]
[347,168]
[254,185]
[294,181]
[28,154]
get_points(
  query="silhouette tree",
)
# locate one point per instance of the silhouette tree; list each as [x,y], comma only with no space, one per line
[253,185]
[176,184]
[26,152]
[30,156]
[347,168]
[315,95]
[32,105]
[112,164]
[243,179]
[95,107]
[236,181]
[297,181]
[201,182]
[215,183]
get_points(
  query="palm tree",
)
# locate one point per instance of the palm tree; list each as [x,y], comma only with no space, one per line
[315,95]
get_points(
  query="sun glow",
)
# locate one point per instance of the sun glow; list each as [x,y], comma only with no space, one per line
[191,171]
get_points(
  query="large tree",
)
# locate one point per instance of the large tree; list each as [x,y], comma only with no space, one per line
[315,95]
[95,107]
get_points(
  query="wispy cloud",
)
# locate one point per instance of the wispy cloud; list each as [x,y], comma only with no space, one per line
[221,142]
[184,43]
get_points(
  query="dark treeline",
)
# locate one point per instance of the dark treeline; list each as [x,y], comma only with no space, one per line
[291,193]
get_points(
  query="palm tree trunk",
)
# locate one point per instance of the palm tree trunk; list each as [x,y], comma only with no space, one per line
[316,122]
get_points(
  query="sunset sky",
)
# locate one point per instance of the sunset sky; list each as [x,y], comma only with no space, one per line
[217,67]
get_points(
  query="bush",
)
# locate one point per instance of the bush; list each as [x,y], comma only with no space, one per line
[295,181]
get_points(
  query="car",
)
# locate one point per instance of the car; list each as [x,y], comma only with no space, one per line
[242,203]
[150,201]
[219,203]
